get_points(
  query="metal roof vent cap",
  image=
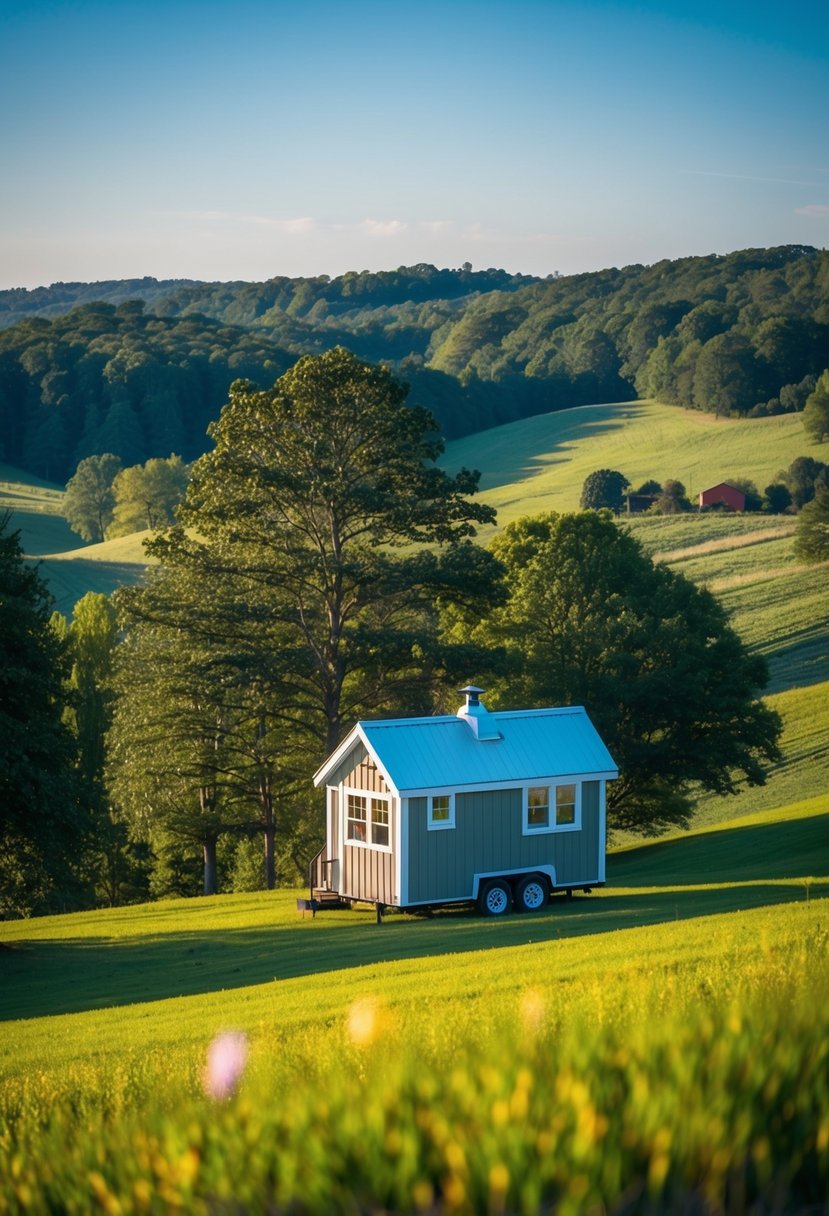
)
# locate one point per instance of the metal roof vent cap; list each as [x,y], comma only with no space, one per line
[476,715]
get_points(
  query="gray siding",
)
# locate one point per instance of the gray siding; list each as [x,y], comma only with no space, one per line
[488,837]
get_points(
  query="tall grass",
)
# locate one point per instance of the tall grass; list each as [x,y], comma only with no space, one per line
[685,1071]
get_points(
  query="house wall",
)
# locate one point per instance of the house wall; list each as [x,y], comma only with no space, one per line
[369,874]
[361,871]
[488,837]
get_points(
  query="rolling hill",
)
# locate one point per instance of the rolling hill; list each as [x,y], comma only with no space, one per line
[540,464]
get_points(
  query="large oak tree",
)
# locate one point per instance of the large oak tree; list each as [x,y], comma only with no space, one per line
[590,620]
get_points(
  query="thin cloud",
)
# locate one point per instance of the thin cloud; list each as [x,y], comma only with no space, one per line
[818,211]
[434,227]
[384,227]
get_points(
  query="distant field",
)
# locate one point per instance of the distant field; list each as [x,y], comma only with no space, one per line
[540,464]
[69,568]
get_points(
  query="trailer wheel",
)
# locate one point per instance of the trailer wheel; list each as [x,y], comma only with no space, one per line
[495,897]
[531,893]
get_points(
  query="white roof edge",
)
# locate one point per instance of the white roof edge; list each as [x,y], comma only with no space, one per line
[512,782]
[341,751]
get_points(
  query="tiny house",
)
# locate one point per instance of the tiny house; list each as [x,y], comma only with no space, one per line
[498,808]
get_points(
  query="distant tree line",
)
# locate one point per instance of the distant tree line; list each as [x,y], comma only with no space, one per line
[744,334]
[322,569]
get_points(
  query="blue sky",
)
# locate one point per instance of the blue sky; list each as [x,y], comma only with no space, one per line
[221,141]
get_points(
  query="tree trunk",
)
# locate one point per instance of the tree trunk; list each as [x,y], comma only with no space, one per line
[211,886]
[270,856]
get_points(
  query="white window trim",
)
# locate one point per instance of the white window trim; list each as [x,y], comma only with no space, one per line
[528,830]
[441,824]
[367,844]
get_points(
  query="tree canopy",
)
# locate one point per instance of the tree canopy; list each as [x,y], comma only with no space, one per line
[816,410]
[604,488]
[89,500]
[590,620]
[146,495]
[42,827]
[744,333]
[811,542]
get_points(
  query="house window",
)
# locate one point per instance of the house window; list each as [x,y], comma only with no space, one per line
[441,813]
[549,807]
[379,821]
[565,805]
[538,807]
[368,820]
[357,827]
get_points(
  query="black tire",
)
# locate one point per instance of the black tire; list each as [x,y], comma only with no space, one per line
[495,897]
[532,893]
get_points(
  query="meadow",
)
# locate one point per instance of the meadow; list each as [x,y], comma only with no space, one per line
[558,1060]
[659,1046]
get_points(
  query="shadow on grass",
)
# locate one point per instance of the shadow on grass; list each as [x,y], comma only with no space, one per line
[788,850]
[544,440]
[40,979]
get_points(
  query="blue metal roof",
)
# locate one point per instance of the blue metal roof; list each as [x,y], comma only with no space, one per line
[427,753]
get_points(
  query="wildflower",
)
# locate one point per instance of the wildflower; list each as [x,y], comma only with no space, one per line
[364,1019]
[226,1057]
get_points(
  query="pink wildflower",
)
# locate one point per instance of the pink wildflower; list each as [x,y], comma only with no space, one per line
[226,1057]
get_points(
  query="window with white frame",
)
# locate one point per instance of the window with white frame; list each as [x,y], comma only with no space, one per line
[441,813]
[548,807]
[379,821]
[368,820]
[357,825]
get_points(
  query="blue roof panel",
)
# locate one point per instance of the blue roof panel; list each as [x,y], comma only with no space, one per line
[426,753]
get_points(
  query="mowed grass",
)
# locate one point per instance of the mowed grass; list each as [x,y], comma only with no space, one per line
[93,960]
[661,1069]
[779,607]
[803,771]
[540,464]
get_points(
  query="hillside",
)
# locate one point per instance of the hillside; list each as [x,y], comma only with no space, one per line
[540,464]
[736,335]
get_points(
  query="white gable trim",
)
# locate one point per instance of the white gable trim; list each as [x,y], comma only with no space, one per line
[355,735]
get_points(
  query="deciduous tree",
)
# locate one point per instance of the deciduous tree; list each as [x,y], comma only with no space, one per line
[89,500]
[146,495]
[591,621]
[811,541]
[323,505]
[816,410]
[603,488]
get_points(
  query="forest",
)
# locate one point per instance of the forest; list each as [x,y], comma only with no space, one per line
[140,367]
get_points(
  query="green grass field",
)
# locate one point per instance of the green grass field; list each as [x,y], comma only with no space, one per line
[69,569]
[539,464]
[664,1040]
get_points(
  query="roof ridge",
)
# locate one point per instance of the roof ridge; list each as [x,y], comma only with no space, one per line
[442,719]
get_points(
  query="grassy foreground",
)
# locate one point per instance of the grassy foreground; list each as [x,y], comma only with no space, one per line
[663,1067]
[662,1046]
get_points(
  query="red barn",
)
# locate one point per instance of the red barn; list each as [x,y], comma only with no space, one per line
[723,495]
